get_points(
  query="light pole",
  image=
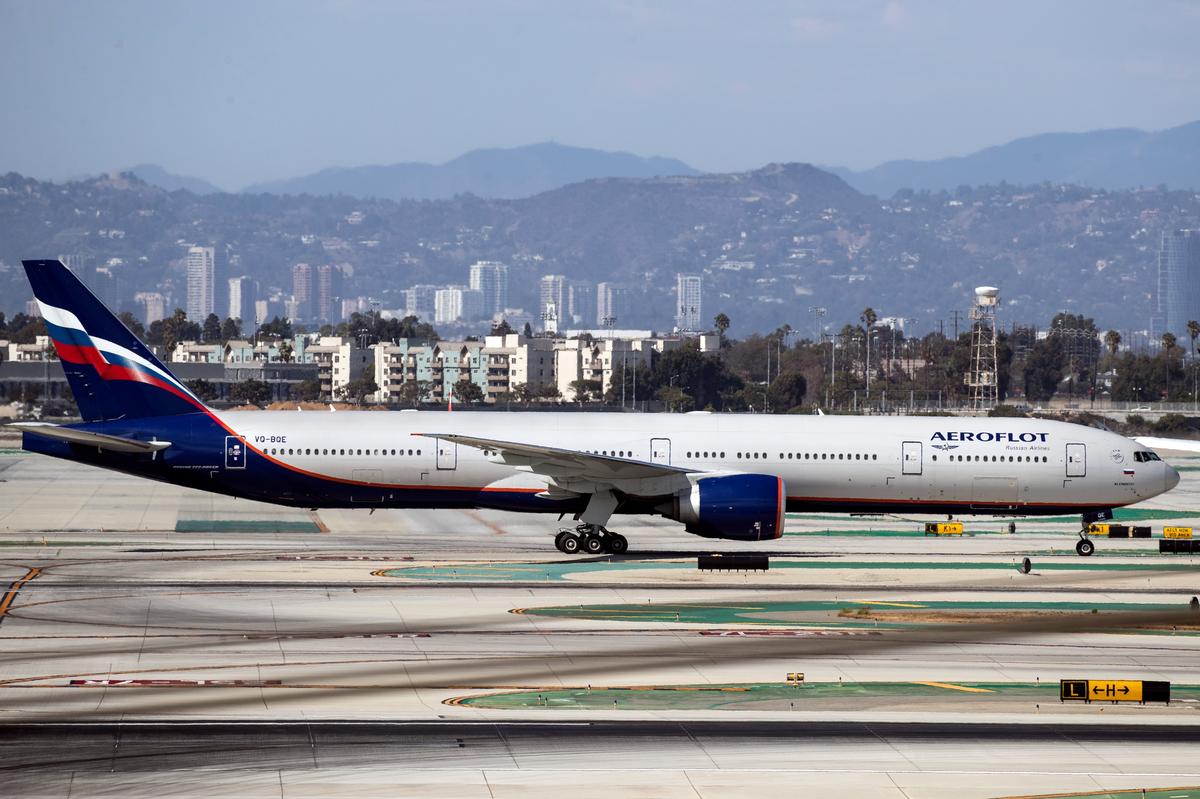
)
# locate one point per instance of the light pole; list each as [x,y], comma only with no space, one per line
[817,312]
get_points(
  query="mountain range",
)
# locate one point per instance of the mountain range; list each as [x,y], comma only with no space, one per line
[495,173]
[1120,158]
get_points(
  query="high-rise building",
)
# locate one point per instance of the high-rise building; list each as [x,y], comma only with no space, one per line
[552,296]
[81,266]
[154,306]
[353,305]
[1179,280]
[611,302]
[420,301]
[490,278]
[201,282]
[243,292]
[688,310]
[262,313]
[457,303]
[581,302]
[302,291]
[328,290]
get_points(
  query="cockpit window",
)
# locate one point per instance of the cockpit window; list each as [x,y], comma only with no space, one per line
[1144,457]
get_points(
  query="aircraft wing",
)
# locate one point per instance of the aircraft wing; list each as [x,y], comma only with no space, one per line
[97,440]
[1178,444]
[568,464]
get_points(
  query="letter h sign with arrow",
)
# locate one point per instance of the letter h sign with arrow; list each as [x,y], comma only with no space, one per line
[1141,691]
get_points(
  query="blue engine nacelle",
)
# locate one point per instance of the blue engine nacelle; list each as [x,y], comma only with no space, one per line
[741,507]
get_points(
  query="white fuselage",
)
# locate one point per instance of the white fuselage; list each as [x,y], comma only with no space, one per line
[850,463]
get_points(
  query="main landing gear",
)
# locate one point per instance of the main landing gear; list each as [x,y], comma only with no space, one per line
[592,539]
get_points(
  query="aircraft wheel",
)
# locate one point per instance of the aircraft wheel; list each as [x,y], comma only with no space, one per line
[558,540]
[570,543]
[593,544]
[618,544]
[1085,547]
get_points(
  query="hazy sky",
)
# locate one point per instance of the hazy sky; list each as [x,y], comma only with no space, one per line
[237,92]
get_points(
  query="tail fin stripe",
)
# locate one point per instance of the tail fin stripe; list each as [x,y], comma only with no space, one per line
[108,348]
[68,333]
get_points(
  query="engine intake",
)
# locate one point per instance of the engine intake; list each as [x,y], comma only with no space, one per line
[739,507]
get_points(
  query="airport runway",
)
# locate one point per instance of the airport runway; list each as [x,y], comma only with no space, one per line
[226,636]
[661,759]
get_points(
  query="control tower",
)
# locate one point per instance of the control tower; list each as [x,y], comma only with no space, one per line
[982,378]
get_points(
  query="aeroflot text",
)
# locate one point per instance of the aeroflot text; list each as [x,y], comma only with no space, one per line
[1026,438]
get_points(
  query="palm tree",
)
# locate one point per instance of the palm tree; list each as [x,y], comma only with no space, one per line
[1193,329]
[721,323]
[1112,340]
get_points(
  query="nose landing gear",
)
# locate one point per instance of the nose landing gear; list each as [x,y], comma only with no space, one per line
[1085,546]
[592,539]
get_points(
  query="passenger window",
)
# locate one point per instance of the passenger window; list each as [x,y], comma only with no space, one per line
[875,457]
[935,457]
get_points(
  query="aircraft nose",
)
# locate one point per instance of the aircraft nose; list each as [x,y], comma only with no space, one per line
[1170,478]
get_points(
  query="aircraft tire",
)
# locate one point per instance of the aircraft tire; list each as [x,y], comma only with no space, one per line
[570,543]
[593,544]
[558,540]
[618,544]
[1084,547]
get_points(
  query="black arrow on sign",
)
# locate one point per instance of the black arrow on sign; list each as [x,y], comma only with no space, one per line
[1096,689]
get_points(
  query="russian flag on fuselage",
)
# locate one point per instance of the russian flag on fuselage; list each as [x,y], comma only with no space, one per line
[112,374]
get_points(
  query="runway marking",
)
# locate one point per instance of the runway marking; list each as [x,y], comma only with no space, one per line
[13,589]
[952,687]
[892,604]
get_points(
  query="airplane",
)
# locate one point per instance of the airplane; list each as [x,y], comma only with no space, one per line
[729,476]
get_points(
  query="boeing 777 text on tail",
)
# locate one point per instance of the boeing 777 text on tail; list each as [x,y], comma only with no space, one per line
[721,475]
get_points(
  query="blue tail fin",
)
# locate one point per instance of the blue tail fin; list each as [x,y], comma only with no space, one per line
[112,374]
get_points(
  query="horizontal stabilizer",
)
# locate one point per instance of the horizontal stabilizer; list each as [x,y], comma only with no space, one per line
[97,440]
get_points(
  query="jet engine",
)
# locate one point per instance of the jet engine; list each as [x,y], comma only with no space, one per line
[740,507]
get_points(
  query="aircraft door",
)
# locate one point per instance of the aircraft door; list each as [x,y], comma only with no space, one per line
[660,451]
[1076,460]
[910,457]
[235,452]
[447,454]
